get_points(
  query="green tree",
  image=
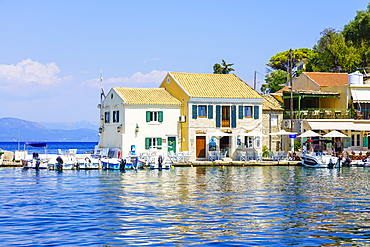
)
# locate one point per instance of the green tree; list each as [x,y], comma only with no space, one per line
[280,61]
[333,54]
[222,69]
[357,33]
[273,80]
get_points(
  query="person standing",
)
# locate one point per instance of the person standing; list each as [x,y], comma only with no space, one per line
[338,146]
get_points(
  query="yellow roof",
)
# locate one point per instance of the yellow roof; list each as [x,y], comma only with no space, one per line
[271,103]
[146,96]
[214,86]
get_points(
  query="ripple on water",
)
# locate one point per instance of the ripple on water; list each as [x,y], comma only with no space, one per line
[275,206]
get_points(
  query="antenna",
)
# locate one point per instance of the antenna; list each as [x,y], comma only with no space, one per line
[102,93]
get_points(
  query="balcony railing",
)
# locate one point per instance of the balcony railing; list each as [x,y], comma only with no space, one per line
[324,113]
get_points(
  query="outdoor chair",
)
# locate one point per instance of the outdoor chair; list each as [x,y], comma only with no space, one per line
[212,156]
[172,156]
[242,156]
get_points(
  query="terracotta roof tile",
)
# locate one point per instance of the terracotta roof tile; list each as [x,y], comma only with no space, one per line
[214,86]
[146,96]
[325,79]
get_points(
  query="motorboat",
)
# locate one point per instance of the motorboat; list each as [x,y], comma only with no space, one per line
[116,164]
[35,161]
[62,162]
[159,162]
[88,163]
[320,160]
[137,162]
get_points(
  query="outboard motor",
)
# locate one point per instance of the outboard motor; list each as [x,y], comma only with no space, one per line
[331,163]
[347,162]
[37,163]
[122,164]
[60,164]
[160,161]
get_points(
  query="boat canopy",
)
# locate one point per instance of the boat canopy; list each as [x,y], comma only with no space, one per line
[36,144]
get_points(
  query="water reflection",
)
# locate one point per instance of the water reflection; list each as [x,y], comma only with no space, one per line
[186,206]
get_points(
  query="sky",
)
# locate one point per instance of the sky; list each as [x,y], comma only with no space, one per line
[52,51]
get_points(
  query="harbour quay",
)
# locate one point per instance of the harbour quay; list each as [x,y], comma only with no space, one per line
[239,163]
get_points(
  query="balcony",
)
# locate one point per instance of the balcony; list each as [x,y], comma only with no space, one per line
[325,113]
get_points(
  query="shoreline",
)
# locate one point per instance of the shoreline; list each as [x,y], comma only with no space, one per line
[204,163]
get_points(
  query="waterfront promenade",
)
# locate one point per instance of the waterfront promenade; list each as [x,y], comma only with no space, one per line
[206,163]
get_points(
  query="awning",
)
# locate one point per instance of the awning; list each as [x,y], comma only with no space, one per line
[332,125]
[360,96]
[362,126]
[36,144]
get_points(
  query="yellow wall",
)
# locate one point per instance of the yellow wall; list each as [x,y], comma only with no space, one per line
[340,103]
[173,88]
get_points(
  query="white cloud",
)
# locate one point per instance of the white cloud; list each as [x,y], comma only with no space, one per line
[138,79]
[30,72]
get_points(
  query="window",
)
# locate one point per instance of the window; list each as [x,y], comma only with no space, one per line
[115,116]
[248,111]
[358,140]
[154,116]
[273,120]
[202,111]
[353,140]
[153,142]
[225,116]
[106,117]
[248,141]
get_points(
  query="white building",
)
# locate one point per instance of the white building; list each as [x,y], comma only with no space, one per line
[143,117]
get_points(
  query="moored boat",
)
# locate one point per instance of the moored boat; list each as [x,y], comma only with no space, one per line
[88,163]
[320,160]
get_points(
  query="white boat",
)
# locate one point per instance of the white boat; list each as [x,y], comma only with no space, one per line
[88,163]
[1,157]
[159,162]
[34,161]
[65,163]
[319,160]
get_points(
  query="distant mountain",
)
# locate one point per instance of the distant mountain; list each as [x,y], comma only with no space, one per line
[31,131]
[70,126]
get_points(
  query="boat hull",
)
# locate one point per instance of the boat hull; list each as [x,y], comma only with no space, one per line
[32,164]
[319,161]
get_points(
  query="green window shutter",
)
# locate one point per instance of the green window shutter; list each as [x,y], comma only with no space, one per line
[195,113]
[210,111]
[148,116]
[218,116]
[159,143]
[241,112]
[256,112]
[233,116]
[147,145]
[160,116]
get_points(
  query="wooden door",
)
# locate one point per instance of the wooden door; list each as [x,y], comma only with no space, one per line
[201,147]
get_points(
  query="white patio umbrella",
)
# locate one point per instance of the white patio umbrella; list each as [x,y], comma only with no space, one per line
[282,133]
[334,133]
[309,133]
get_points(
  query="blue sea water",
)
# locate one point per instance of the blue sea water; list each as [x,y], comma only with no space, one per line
[199,206]
[51,147]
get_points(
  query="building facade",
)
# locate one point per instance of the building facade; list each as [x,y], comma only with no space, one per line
[216,103]
[140,119]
